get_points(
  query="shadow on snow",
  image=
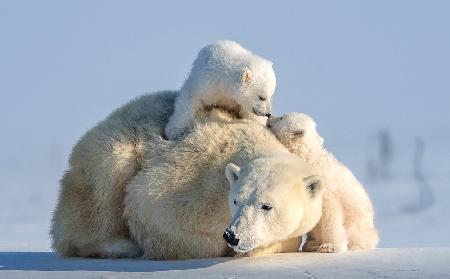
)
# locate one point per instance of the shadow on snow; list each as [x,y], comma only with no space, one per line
[47,261]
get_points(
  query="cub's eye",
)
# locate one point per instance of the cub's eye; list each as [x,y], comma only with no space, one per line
[281,118]
[235,203]
[262,98]
[266,207]
[299,133]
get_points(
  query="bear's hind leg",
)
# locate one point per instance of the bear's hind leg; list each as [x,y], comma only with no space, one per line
[117,248]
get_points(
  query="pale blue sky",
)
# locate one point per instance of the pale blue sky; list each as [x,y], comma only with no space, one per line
[387,63]
[356,66]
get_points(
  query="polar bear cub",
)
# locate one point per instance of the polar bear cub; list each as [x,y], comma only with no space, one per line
[273,201]
[227,76]
[347,214]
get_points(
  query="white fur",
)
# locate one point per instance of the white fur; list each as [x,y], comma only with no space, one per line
[347,220]
[88,220]
[176,193]
[225,75]
[272,199]
[177,206]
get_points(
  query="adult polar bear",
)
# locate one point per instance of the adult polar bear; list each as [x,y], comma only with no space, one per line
[183,179]
[177,206]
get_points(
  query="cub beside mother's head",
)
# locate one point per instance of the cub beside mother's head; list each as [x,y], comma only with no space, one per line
[295,128]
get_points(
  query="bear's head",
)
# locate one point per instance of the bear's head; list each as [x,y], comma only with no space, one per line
[296,131]
[255,88]
[271,199]
[225,68]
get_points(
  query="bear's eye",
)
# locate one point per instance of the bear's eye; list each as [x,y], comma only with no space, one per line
[281,118]
[262,98]
[235,203]
[266,207]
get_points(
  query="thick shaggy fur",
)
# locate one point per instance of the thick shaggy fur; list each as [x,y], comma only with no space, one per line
[177,206]
[88,220]
[272,199]
[228,76]
[347,219]
[129,192]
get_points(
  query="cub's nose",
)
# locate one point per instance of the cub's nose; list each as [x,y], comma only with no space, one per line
[268,115]
[230,237]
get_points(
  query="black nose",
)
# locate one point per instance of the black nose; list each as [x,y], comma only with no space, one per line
[230,237]
[268,115]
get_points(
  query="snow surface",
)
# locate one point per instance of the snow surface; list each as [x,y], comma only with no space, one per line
[380,263]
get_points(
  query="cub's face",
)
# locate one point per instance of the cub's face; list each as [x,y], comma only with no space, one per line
[255,89]
[295,128]
[268,200]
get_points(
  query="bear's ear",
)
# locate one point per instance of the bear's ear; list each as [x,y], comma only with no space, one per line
[232,173]
[314,185]
[246,75]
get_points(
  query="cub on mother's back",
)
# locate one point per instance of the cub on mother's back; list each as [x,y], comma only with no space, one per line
[227,76]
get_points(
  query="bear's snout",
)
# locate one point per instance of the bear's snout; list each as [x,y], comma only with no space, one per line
[230,237]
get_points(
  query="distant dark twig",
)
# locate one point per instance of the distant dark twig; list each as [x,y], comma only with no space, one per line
[380,167]
[426,197]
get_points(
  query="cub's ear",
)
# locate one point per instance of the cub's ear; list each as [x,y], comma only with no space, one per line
[321,140]
[314,185]
[232,173]
[246,75]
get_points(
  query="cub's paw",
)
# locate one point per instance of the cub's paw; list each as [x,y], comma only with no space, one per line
[327,248]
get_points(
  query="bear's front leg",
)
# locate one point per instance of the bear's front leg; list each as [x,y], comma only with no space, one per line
[291,245]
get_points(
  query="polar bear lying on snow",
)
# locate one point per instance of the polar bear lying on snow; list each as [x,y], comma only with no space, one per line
[177,206]
[228,76]
[347,218]
[129,192]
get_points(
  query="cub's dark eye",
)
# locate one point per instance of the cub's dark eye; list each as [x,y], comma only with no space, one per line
[266,207]
[235,203]
[262,98]
[299,133]
[281,118]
